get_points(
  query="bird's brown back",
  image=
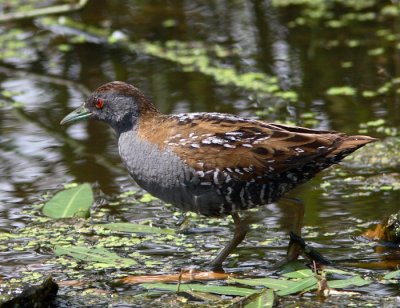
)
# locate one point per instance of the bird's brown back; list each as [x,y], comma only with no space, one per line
[210,141]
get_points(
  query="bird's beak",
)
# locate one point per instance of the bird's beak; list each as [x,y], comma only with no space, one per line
[79,113]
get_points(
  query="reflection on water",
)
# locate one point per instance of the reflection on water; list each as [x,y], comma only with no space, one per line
[46,77]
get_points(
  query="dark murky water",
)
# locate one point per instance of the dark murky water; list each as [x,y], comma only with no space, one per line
[43,76]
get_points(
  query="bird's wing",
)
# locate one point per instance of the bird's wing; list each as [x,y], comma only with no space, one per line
[248,148]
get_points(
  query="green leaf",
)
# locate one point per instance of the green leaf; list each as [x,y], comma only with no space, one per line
[293,266]
[205,297]
[147,198]
[273,283]
[223,290]
[73,202]
[345,90]
[299,274]
[392,275]
[376,123]
[128,227]
[299,286]
[296,269]
[344,283]
[264,299]
[283,286]
[332,270]
[98,255]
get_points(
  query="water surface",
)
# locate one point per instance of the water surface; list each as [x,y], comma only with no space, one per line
[334,68]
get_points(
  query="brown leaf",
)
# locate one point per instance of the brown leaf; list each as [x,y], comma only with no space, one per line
[186,276]
[377,234]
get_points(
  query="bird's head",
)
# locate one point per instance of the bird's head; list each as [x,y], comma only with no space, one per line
[117,103]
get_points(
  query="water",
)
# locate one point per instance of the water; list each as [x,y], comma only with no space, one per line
[43,77]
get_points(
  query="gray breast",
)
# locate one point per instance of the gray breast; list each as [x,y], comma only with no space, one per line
[167,177]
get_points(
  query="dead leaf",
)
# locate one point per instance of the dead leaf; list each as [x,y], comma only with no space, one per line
[377,234]
[183,277]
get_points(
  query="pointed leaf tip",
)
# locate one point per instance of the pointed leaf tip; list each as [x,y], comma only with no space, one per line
[73,202]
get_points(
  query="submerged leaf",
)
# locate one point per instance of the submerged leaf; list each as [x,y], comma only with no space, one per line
[99,255]
[128,227]
[223,290]
[73,202]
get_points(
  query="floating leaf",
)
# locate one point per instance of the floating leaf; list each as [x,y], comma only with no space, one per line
[303,273]
[128,227]
[223,290]
[375,123]
[205,297]
[273,283]
[300,286]
[367,93]
[376,51]
[345,90]
[265,299]
[73,202]
[392,275]
[147,198]
[98,255]
[296,270]
[332,270]
[293,266]
[344,283]
[283,286]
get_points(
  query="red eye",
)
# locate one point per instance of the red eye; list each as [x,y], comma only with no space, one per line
[99,103]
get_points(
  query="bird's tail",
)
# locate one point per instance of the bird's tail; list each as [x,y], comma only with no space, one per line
[349,145]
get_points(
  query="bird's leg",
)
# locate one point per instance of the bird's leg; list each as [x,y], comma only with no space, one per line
[297,212]
[241,229]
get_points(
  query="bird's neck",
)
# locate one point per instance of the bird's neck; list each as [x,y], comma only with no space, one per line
[133,120]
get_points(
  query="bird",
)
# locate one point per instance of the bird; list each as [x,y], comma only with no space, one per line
[214,164]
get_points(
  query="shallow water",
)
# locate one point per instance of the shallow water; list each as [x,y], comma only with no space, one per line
[44,75]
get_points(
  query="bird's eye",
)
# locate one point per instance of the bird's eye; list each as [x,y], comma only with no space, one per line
[99,103]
